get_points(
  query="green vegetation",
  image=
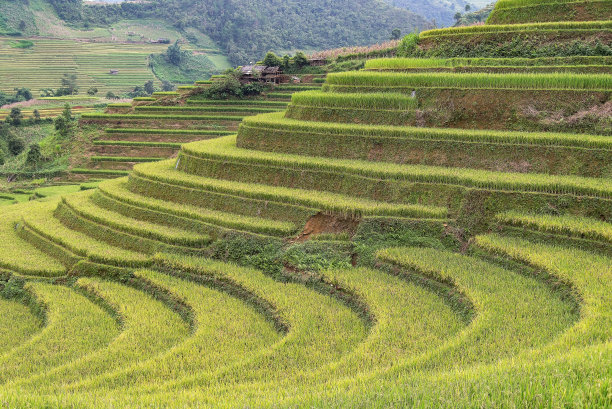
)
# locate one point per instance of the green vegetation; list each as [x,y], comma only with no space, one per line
[312,198]
[181,70]
[18,255]
[518,81]
[372,101]
[44,65]
[162,117]
[408,63]
[552,11]
[530,27]
[224,149]
[22,44]
[436,237]
[565,224]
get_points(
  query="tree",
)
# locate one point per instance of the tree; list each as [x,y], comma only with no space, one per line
[15,145]
[64,124]
[174,55]
[396,34]
[47,92]
[457,17]
[34,155]
[300,60]
[167,86]
[467,7]
[36,116]
[271,60]
[92,91]
[15,116]
[22,25]
[69,85]
[149,87]
[23,94]
[110,95]
[286,62]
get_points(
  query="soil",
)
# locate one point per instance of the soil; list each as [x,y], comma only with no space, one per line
[322,223]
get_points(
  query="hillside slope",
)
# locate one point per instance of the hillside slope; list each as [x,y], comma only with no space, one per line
[247,29]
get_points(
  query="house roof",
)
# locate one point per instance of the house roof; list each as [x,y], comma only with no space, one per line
[259,69]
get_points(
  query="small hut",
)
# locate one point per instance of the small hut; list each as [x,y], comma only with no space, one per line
[317,61]
[261,73]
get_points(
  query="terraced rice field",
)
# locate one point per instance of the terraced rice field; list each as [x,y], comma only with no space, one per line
[477,269]
[43,65]
[152,129]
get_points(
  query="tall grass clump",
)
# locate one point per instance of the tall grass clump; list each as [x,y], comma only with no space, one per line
[471,80]
[563,224]
[375,101]
[504,4]
[549,26]
[406,63]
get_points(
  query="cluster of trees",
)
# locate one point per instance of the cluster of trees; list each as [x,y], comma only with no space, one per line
[21,94]
[229,86]
[12,145]
[287,63]
[68,87]
[147,89]
[472,17]
[247,29]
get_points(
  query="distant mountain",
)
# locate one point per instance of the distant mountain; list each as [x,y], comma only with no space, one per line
[246,29]
[442,12]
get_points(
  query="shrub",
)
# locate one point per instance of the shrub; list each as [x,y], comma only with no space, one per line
[408,45]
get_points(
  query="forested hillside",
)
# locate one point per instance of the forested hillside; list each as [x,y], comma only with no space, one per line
[247,29]
[441,12]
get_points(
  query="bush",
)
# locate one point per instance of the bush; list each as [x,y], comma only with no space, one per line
[229,86]
[15,117]
[34,156]
[271,60]
[408,45]
[15,145]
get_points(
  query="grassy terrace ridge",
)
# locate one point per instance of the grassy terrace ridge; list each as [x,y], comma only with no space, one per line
[504,4]
[563,224]
[137,144]
[224,148]
[42,221]
[279,95]
[322,330]
[99,172]
[160,210]
[277,121]
[498,328]
[555,11]
[165,172]
[239,109]
[76,326]
[227,325]
[378,101]
[528,27]
[82,205]
[149,327]
[122,159]
[588,273]
[470,80]
[151,117]
[403,63]
[161,131]
[19,323]
[17,254]
[232,102]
